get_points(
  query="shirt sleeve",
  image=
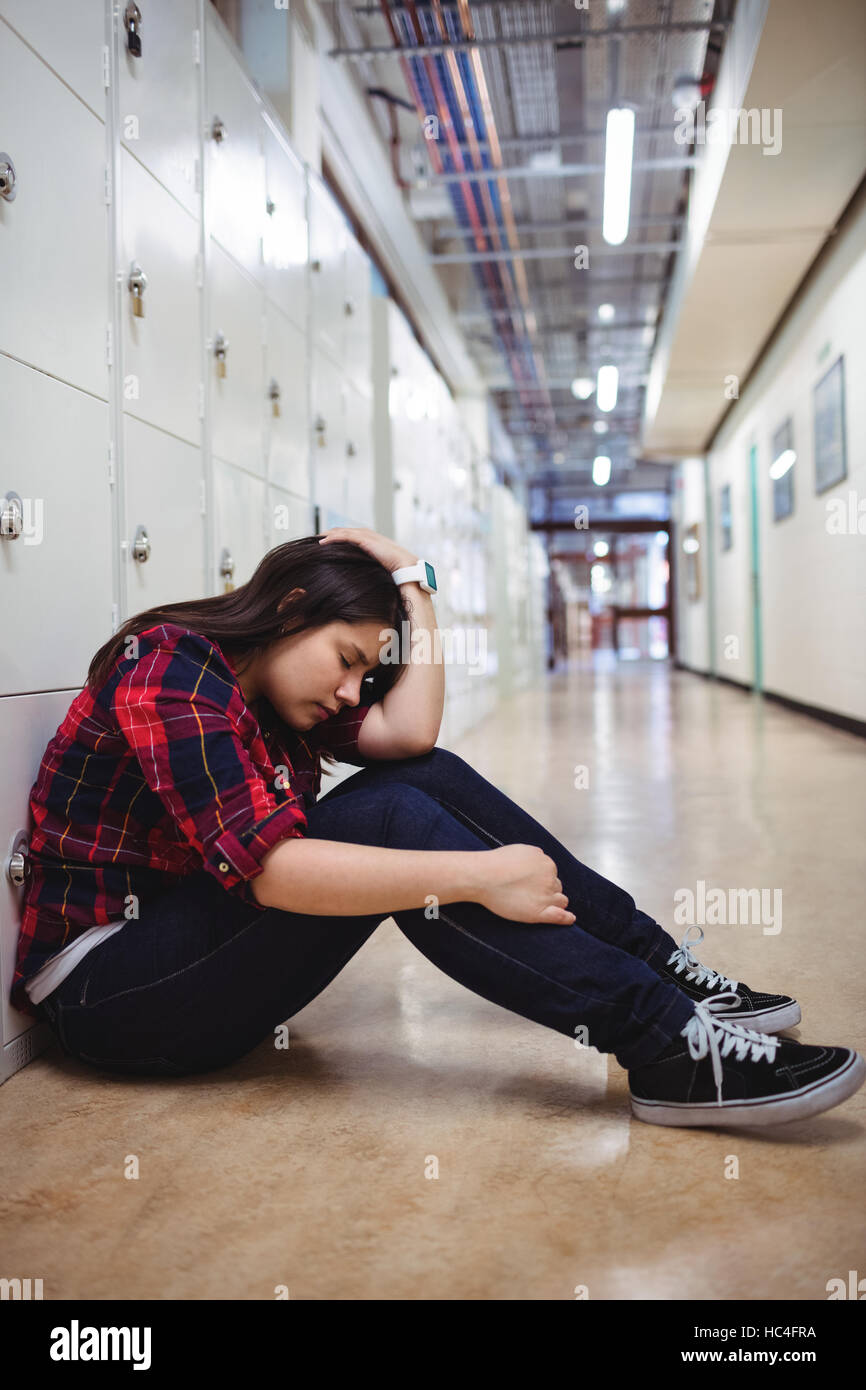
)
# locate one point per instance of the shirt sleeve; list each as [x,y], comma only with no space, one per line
[339,734]
[178,708]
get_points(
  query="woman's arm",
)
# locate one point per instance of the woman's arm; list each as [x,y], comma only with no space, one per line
[331,878]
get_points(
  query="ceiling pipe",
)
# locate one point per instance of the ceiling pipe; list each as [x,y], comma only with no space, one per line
[566,39]
[504,198]
[495,285]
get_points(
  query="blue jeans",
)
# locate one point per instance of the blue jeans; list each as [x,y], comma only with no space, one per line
[202,977]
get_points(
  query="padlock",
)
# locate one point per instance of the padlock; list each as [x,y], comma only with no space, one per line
[137,284]
[132,20]
[220,349]
[274,393]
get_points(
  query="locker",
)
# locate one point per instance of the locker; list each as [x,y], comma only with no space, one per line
[358,463]
[286,236]
[55,304]
[28,723]
[328,434]
[161,366]
[235,311]
[69,39]
[287,434]
[234,162]
[164,531]
[288,517]
[328,234]
[57,583]
[357,325]
[239,522]
[158,99]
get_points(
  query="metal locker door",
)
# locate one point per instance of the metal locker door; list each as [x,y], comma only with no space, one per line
[68,38]
[235,312]
[161,365]
[234,179]
[164,534]
[286,236]
[359,456]
[158,96]
[55,298]
[29,723]
[328,435]
[287,434]
[288,517]
[328,234]
[55,539]
[358,330]
[239,525]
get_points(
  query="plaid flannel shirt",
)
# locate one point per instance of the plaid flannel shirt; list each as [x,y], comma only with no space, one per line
[164,771]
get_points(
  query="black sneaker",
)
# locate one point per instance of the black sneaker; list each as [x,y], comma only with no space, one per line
[769,1013]
[718,1073]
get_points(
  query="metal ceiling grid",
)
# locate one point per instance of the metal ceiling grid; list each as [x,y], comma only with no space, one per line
[543,89]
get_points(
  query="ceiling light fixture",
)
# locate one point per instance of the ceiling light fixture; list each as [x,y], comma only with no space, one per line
[606,387]
[619,146]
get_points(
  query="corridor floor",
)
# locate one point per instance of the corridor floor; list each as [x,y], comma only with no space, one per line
[416,1142]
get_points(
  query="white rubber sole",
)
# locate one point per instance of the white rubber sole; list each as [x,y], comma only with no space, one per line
[771,1020]
[770,1110]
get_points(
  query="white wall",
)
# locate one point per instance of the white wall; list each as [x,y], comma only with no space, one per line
[692,615]
[813,582]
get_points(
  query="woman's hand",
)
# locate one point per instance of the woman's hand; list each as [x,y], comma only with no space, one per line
[388,552]
[522,884]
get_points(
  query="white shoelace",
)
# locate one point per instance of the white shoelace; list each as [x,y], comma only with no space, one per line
[683,959]
[720,1037]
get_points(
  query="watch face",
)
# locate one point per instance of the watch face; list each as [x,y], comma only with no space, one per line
[431,574]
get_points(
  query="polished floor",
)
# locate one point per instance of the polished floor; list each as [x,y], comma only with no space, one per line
[418,1142]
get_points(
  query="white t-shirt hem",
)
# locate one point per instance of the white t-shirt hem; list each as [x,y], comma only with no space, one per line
[49,975]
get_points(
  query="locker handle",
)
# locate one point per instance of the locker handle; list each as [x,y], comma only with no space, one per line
[12,516]
[7,177]
[19,866]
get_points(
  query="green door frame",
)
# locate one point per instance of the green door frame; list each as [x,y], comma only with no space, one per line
[710,565]
[757,642]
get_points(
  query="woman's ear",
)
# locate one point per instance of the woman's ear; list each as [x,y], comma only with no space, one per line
[288,598]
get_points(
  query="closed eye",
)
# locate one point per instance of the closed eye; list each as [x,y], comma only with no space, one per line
[368,676]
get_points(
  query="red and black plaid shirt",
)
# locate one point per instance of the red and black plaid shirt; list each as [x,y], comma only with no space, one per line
[165,771]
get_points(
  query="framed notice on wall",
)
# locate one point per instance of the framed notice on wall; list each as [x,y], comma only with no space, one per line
[692,549]
[782,470]
[725,519]
[831,464]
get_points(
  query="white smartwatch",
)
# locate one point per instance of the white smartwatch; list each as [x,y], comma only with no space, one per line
[423,572]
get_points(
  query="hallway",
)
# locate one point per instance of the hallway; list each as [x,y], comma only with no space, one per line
[308,1167]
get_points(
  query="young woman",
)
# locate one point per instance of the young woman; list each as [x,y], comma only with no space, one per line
[189,892]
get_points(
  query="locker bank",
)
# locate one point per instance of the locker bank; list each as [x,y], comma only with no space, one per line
[530,332]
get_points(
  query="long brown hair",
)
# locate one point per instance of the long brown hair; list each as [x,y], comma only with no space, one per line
[343,583]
